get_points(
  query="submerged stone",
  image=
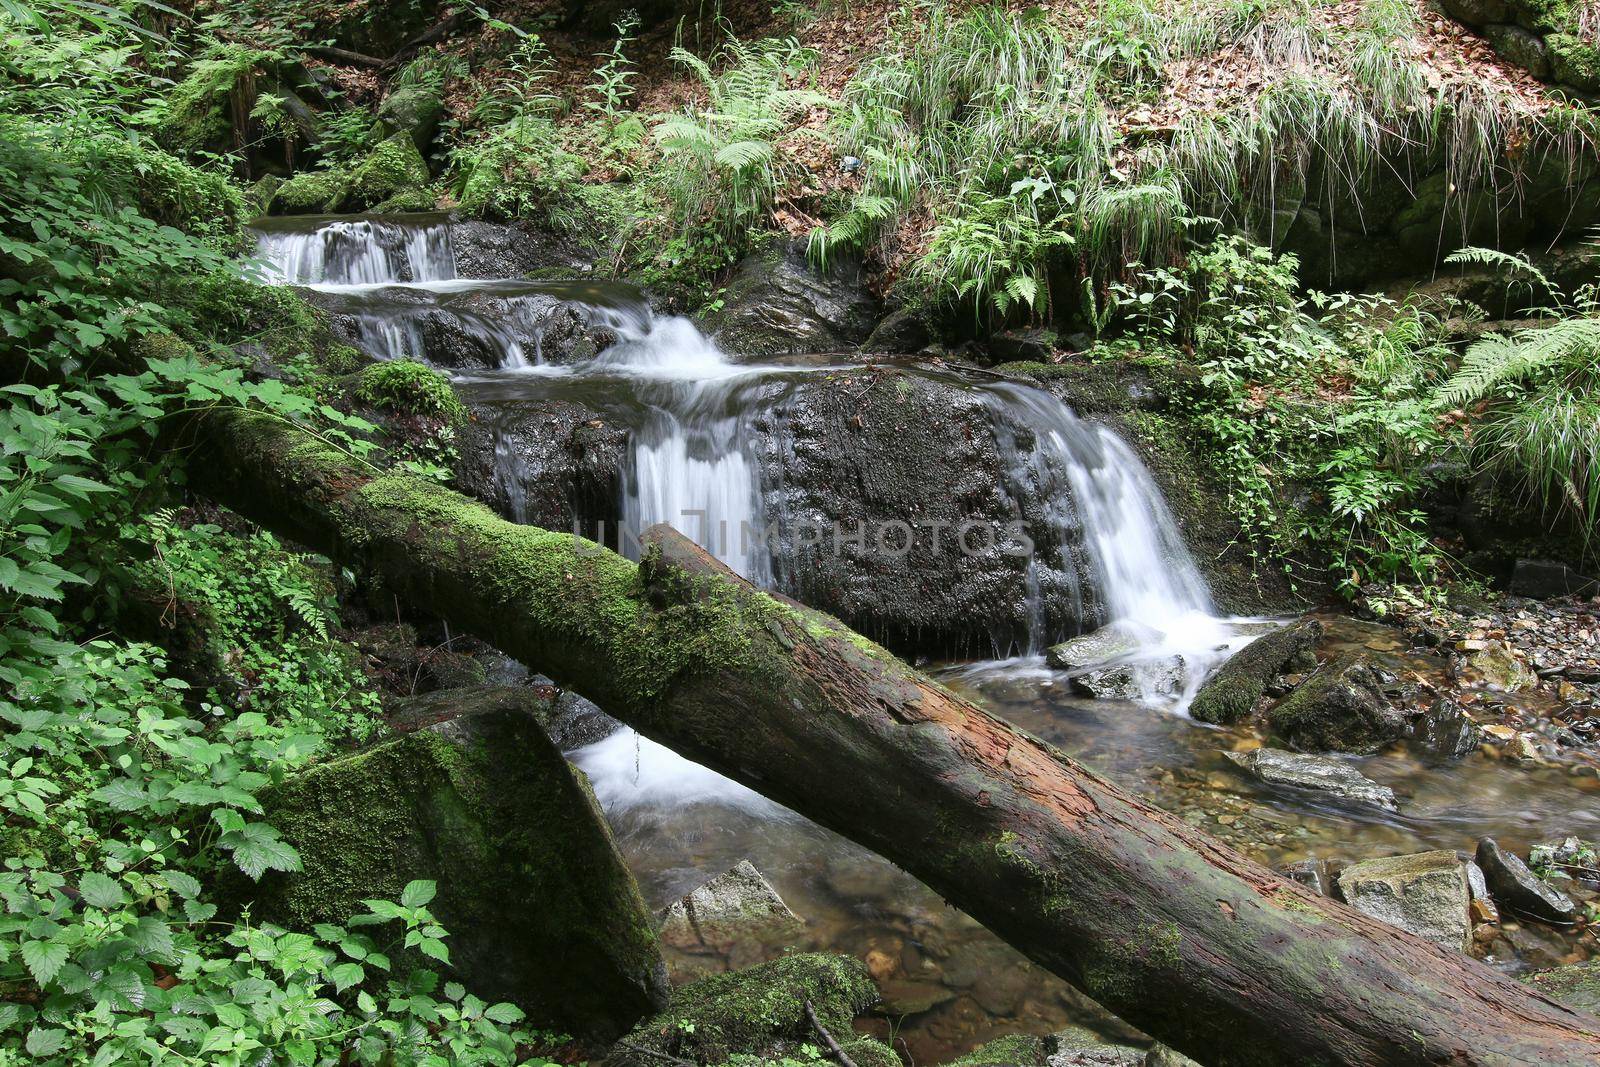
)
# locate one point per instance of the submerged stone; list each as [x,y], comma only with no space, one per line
[1231,693]
[737,904]
[540,907]
[1520,890]
[1321,773]
[1426,894]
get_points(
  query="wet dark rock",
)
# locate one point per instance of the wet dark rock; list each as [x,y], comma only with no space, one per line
[495,250]
[1542,578]
[1444,731]
[1325,775]
[1231,693]
[738,904]
[1343,707]
[1575,985]
[576,722]
[551,463]
[850,461]
[1076,1047]
[540,907]
[1111,641]
[1425,894]
[445,705]
[1519,889]
[1025,346]
[778,303]
[1477,12]
[902,331]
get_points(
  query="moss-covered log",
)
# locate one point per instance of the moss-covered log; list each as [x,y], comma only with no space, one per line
[1175,932]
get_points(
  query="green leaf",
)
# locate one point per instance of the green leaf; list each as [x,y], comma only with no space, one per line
[418,893]
[346,975]
[100,891]
[185,885]
[44,959]
[42,1042]
[505,1014]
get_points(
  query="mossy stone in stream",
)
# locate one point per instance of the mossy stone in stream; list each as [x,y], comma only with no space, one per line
[1343,707]
[761,1012]
[540,908]
[394,168]
[310,193]
[1015,1050]
[1231,693]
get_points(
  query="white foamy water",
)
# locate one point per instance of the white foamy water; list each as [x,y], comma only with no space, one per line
[355,252]
[630,771]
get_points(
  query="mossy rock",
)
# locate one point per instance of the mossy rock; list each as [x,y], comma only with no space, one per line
[1343,707]
[408,200]
[405,387]
[1231,693]
[1015,1050]
[540,907]
[1573,62]
[1576,985]
[311,193]
[394,169]
[760,1012]
[414,110]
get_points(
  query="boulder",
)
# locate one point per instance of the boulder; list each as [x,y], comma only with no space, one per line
[1574,62]
[1444,731]
[414,110]
[1231,693]
[1312,873]
[1426,894]
[1576,985]
[1520,48]
[902,331]
[1542,579]
[1477,12]
[309,193]
[1331,777]
[540,907]
[1114,640]
[738,904]
[761,1013]
[1023,346]
[1520,890]
[1343,707]
[393,168]
[777,303]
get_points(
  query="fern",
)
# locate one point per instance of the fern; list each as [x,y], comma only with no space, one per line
[1516,265]
[1569,347]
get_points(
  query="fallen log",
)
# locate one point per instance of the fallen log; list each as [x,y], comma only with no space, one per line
[1170,929]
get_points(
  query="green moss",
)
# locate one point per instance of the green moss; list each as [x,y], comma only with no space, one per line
[164,188]
[760,1011]
[395,169]
[198,110]
[1574,62]
[540,907]
[1016,1050]
[310,193]
[410,388]
[1576,985]
[408,200]
[1119,972]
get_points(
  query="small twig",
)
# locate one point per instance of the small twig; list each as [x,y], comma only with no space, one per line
[827,1038]
[631,1047]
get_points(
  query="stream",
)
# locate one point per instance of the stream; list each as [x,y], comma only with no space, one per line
[1103,546]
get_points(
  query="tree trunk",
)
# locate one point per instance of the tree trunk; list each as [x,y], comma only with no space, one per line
[1173,931]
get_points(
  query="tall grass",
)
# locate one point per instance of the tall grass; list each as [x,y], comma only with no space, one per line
[962,106]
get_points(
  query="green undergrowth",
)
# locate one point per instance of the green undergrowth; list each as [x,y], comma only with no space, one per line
[134,769]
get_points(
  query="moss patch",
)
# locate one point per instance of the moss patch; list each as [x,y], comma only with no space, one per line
[410,388]
[540,907]
[394,170]
[311,193]
[760,1011]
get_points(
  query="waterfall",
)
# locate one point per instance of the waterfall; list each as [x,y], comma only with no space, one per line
[353,252]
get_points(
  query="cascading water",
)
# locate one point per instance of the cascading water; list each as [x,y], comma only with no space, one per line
[354,252]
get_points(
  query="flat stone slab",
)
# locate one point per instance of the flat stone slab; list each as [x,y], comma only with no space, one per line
[1321,773]
[1112,641]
